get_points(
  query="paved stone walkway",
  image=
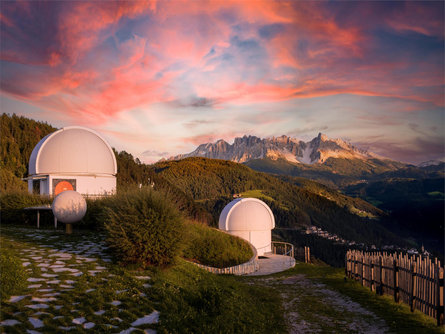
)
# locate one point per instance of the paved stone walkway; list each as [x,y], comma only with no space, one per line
[78,268]
[273,263]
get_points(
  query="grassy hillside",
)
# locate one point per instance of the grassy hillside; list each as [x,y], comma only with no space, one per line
[411,196]
[356,205]
[293,206]
[334,172]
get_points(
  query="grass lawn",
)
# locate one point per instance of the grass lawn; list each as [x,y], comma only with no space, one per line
[72,284]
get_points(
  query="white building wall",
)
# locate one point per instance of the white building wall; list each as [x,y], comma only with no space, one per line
[261,240]
[96,185]
[89,185]
[44,186]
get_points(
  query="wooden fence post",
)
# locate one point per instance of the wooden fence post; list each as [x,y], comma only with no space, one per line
[309,254]
[412,295]
[371,285]
[396,281]
[363,270]
[439,294]
[381,275]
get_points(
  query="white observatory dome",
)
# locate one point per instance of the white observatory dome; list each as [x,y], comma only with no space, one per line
[73,158]
[250,219]
[73,149]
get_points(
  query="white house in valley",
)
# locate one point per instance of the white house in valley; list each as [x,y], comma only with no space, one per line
[250,219]
[72,158]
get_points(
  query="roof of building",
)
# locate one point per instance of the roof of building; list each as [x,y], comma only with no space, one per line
[246,214]
[73,150]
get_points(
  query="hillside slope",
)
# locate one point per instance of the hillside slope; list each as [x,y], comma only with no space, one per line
[213,182]
[334,172]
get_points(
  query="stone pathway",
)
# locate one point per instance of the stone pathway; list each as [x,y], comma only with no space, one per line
[64,285]
[310,307]
[273,263]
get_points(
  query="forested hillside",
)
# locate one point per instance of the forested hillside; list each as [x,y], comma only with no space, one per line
[19,135]
[213,183]
[334,172]
[416,207]
[412,197]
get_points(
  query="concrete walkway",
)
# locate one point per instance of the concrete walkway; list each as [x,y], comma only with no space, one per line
[273,263]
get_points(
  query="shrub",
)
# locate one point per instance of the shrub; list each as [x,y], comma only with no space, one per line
[94,217]
[143,227]
[214,248]
[12,205]
[12,274]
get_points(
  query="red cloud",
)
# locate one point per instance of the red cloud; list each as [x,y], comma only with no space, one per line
[84,69]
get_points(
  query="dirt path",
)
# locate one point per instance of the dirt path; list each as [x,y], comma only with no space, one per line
[310,307]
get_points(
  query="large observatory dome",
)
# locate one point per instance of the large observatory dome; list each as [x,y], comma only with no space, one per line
[73,149]
[250,219]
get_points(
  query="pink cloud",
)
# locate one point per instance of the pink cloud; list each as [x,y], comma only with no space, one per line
[87,70]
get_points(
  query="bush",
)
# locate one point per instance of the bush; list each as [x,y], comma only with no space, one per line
[12,274]
[143,227]
[214,248]
[94,217]
[12,206]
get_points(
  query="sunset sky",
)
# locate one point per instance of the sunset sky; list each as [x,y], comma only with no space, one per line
[158,78]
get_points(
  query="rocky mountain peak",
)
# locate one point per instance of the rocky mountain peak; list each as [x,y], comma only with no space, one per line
[246,148]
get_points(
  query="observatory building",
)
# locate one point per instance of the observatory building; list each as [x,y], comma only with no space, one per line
[73,158]
[250,219]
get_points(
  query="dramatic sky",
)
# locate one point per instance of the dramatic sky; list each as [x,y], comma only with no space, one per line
[158,78]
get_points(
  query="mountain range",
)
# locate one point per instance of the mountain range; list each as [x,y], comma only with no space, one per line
[247,148]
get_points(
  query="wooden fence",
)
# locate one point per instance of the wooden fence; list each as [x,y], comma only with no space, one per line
[303,254]
[414,280]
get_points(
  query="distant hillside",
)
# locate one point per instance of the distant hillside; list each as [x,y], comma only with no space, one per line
[416,207]
[213,182]
[334,172]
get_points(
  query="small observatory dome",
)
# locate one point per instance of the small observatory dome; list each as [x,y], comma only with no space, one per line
[73,158]
[250,219]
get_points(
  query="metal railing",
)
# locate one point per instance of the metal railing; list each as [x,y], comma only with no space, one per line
[282,248]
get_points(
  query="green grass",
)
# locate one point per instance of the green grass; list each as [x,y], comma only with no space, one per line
[195,301]
[76,302]
[190,300]
[256,193]
[214,248]
[397,316]
[438,194]
[12,274]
